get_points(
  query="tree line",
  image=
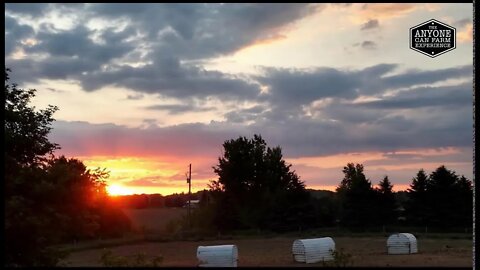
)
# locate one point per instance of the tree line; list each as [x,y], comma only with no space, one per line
[140,201]
[256,189]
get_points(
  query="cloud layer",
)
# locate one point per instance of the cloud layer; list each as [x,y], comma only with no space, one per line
[160,50]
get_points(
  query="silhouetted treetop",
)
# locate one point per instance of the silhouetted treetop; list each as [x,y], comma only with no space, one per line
[26,130]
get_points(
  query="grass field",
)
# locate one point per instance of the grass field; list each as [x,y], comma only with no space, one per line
[365,251]
[154,219]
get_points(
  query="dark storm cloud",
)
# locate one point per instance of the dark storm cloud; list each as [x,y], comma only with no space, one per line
[297,137]
[159,35]
[73,55]
[378,70]
[458,95]
[170,78]
[421,109]
[420,157]
[371,24]
[179,108]
[185,140]
[243,115]
[369,126]
[295,87]
[30,9]
[347,113]
[443,120]
[70,53]
[75,43]
[291,88]
[38,10]
[167,78]
[27,70]
[415,77]
[206,30]
[162,36]
[15,33]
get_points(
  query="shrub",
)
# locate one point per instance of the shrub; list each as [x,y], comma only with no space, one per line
[341,258]
[138,260]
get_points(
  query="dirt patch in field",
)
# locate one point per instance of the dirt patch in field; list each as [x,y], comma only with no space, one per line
[366,252]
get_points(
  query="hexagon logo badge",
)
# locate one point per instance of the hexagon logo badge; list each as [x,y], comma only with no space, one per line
[432,38]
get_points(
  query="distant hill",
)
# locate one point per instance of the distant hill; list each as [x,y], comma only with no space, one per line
[179,199]
[139,201]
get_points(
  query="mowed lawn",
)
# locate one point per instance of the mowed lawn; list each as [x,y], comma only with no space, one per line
[365,251]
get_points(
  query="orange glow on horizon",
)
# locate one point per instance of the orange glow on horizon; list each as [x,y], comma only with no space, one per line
[166,175]
[115,190]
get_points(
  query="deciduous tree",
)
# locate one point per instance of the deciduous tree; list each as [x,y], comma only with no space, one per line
[48,200]
[256,187]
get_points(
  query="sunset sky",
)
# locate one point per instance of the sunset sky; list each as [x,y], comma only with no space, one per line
[143,90]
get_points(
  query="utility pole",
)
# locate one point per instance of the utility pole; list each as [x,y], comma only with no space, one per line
[189,181]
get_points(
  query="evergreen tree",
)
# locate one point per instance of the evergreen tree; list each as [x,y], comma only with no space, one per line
[357,196]
[386,204]
[443,197]
[465,205]
[450,199]
[443,200]
[417,207]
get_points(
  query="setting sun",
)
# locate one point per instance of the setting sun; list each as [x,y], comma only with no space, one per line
[115,190]
[147,175]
